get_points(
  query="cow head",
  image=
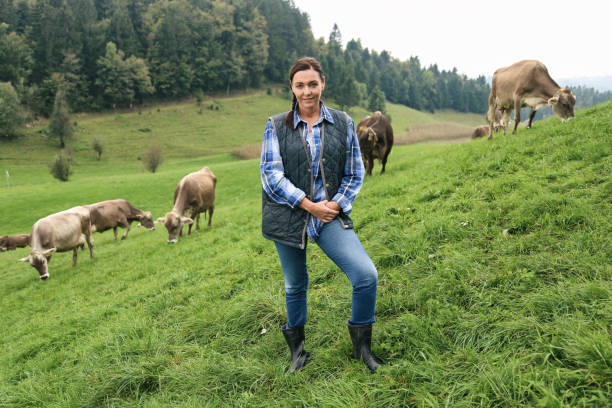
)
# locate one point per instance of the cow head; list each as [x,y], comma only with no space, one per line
[40,261]
[146,220]
[174,223]
[562,103]
[3,243]
[368,138]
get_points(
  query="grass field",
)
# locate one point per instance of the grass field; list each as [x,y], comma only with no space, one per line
[494,261]
[184,130]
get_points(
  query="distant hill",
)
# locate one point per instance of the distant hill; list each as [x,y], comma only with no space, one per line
[601,83]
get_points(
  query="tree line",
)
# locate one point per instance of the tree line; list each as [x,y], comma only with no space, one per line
[116,53]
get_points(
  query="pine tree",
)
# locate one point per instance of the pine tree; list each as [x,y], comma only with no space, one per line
[10,119]
[376,101]
[60,126]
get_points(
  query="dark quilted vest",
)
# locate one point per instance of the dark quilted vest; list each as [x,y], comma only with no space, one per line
[287,225]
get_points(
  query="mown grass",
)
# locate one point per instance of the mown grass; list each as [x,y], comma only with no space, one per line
[494,262]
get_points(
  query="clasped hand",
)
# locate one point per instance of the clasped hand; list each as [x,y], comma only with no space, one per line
[324,210]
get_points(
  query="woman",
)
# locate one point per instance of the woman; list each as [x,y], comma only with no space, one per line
[311,171]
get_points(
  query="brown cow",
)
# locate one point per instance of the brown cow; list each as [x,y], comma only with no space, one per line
[375,140]
[195,192]
[59,232]
[527,83]
[480,131]
[11,242]
[113,213]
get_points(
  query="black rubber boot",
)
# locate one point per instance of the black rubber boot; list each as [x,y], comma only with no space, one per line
[361,336]
[295,340]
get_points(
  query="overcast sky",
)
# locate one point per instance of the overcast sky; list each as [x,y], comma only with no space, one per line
[572,38]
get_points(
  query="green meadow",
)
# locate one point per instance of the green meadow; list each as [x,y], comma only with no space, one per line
[494,260]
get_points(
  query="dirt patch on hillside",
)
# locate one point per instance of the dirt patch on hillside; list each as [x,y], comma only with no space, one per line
[432,133]
[247,152]
[438,133]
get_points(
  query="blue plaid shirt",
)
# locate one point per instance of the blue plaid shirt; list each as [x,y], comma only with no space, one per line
[282,191]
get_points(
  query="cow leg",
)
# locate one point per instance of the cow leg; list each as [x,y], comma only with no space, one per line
[74,256]
[384,162]
[198,220]
[369,164]
[517,112]
[115,232]
[125,224]
[89,240]
[190,225]
[490,117]
[531,116]
[210,213]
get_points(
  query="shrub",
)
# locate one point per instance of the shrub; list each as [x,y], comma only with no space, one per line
[152,158]
[59,123]
[98,146]
[61,167]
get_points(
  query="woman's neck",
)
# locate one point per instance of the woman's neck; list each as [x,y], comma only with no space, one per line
[310,115]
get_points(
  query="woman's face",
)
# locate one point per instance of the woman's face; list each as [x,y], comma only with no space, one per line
[307,86]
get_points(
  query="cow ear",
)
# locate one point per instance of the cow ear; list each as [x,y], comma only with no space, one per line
[186,220]
[160,220]
[49,252]
[26,259]
[553,100]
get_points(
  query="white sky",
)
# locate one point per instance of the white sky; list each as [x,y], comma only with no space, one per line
[571,37]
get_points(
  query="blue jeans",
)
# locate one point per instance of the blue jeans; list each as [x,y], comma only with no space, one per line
[343,247]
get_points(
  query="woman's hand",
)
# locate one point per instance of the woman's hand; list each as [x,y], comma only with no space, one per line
[324,210]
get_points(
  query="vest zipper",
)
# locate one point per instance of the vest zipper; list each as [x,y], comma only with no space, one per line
[311,184]
[323,173]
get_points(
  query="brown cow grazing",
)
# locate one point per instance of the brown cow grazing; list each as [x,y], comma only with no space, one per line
[480,131]
[11,242]
[375,140]
[59,232]
[527,83]
[114,213]
[195,192]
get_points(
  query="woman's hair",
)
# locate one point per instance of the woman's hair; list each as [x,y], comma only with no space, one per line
[302,64]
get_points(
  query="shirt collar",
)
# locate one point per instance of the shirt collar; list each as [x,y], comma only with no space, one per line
[325,115]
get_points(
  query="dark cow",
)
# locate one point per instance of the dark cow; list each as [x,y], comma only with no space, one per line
[480,131]
[114,213]
[196,193]
[11,242]
[60,232]
[375,140]
[527,83]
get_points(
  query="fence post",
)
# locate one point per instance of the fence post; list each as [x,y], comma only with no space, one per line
[7,179]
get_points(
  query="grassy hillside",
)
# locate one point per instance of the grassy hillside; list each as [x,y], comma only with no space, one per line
[186,130]
[494,262]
